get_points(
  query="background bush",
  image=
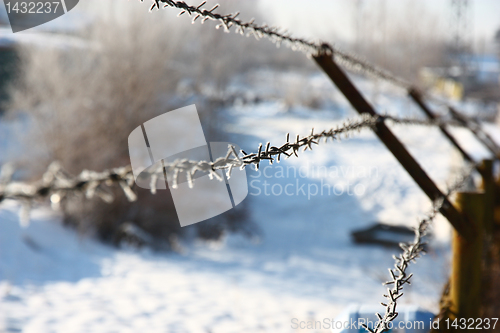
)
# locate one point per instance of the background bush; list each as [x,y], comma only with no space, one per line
[83,97]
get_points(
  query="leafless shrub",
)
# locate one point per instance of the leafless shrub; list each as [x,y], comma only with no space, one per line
[83,101]
[296,93]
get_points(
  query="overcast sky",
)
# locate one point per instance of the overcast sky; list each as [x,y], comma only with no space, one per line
[327,19]
[336,20]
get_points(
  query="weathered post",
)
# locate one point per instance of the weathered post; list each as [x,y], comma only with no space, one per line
[488,186]
[491,260]
[479,132]
[417,98]
[360,104]
[466,268]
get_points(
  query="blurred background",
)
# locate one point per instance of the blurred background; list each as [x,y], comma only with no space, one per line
[73,89]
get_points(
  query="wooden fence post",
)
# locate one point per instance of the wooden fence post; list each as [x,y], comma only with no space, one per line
[491,261]
[496,215]
[466,270]
[480,134]
[488,186]
[417,98]
[360,104]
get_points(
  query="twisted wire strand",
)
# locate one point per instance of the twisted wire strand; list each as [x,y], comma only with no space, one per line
[474,124]
[411,252]
[278,36]
[56,184]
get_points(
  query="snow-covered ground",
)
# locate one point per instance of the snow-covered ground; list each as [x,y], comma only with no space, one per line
[304,265]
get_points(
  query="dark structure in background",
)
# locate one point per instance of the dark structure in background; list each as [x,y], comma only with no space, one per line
[461,30]
[478,74]
[9,62]
[467,73]
[383,234]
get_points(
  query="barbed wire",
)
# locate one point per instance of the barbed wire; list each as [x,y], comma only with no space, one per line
[474,125]
[279,36]
[56,184]
[411,252]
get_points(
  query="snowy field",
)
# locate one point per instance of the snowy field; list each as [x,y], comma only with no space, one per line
[304,265]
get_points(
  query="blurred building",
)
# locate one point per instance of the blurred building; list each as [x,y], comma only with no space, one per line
[465,74]
[479,78]
[54,34]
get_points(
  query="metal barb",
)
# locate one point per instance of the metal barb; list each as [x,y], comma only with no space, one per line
[411,251]
[56,181]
